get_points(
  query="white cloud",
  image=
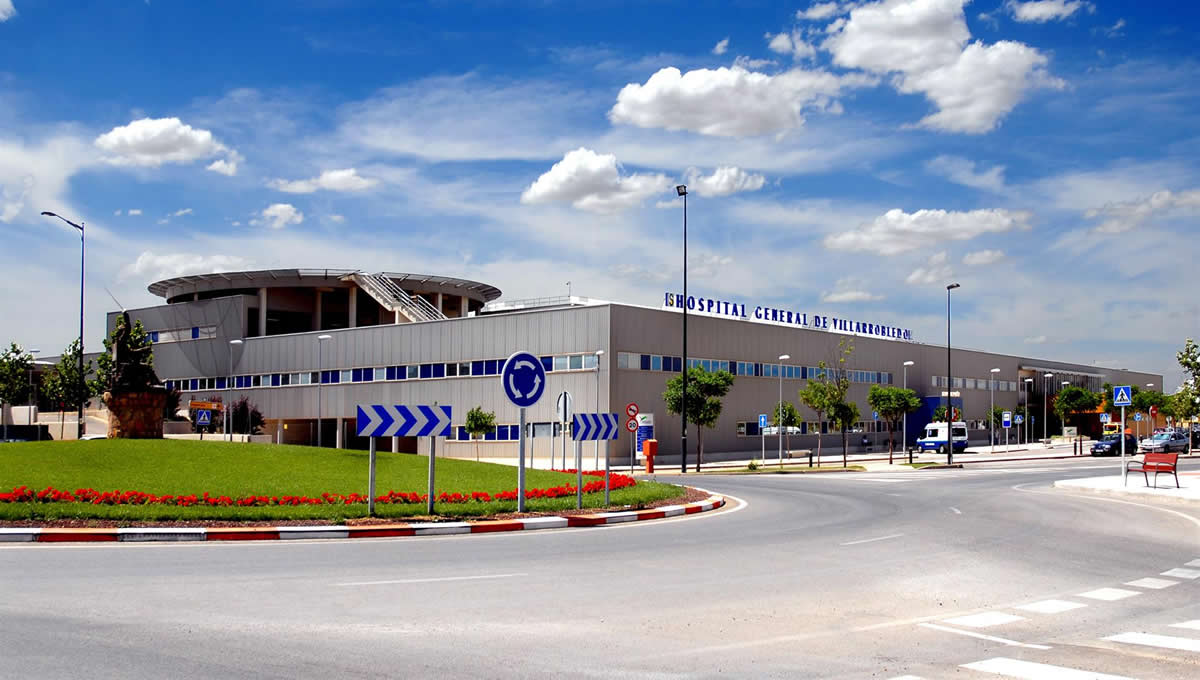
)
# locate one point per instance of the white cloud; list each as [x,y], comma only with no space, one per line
[150,266]
[962,171]
[226,166]
[279,215]
[35,176]
[117,213]
[150,142]
[337,219]
[980,258]
[133,211]
[793,44]
[724,181]
[937,270]
[182,212]
[721,46]
[898,232]
[1041,11]
[1116,30]
[347,179]
[7,11]
[925,42]
[729,102]
[592,181]
[819,11]
[850,289]
[1036,340]
[1123,216]
[749,64]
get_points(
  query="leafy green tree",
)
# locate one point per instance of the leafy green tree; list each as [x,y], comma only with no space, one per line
[63,385]
[245,418]
[15,364]
[1072,401]
[706,389]
[1189,361]
[828,389]
[893,404]
[844,414]
[1184,406]
[480,423]
[784,415]
[815,396]
[54,392]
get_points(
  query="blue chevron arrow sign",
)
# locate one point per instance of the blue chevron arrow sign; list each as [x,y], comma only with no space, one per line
[383,420]
[592,426]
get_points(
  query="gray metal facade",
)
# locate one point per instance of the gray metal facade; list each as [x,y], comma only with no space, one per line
[558,331]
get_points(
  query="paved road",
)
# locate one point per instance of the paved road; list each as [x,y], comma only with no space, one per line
[964,573]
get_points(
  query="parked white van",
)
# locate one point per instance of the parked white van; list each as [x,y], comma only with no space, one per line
[935,437]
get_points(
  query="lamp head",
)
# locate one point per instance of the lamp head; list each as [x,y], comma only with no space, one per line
[784,357]
[1028,380]
[47,213]
[909,363]
[324,337]
[235,342]
[994,370]
[599,352]
[681,189]
[953,286]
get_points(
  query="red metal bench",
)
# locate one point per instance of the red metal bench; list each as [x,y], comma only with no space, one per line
[1158,463]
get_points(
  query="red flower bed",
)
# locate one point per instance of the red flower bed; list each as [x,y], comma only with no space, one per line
[23,494]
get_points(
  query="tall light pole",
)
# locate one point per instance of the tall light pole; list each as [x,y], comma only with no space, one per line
[320,366]
[949,384]
[82,250]
[233,344]
[682,191]
[1045,398]
[904,423]
[31,354]
[992,412]
[1028,382]
[599,353]
[779,420]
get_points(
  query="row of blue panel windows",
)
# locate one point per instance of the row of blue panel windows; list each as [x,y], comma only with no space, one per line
[555,363]
[655,362]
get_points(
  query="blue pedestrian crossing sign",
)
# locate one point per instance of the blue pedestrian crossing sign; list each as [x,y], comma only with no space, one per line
[1121,395]
[1137,417]
[762,421]
[1019,419]
[1105,418]
[204,417]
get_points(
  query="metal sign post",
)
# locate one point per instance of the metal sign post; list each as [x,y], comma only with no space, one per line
[1006,421]
[385,420]
[762,433]
[1124,471]
[523,380]
[1122,397]
[632,410]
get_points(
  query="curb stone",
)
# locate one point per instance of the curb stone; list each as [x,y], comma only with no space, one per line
[146,534]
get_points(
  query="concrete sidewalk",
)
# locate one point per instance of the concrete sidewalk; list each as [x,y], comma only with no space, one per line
[1134,488]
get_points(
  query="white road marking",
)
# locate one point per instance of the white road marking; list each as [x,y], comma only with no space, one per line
[956,510]
[1028,670]
[984,620]
[1050,606]
[907,677]
[981,636]
[872,540]
[1183,573]
[1160,641]
[1152,583]
[1109,594]
[1194,563]
[429,580]
[1194,624]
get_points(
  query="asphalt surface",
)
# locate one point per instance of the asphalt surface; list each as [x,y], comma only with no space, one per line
[830,576]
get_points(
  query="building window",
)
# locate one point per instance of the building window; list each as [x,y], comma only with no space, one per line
[589,363]
[451,370]
[413,372]
[576,362]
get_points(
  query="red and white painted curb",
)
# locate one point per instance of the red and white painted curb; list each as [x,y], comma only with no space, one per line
[143,534]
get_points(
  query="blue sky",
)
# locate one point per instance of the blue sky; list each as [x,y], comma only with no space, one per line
[843,158]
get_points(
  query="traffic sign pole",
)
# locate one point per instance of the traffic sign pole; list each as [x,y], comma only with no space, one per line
[371,481]
[1124,471]
[578,474]
[521,466]
[432,472]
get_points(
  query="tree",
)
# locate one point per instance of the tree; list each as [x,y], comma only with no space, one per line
[705,391]
[15,365]
[63,385]
[1143,400]
[1189,361]
[245,418]
[1072,401]
[893,404]
[785,416]
[844,414]
[1184,406]
[815,395]
[480,423]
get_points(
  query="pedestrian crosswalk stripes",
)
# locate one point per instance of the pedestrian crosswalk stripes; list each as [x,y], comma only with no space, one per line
[1152,583]
[1160,641]
[1109,594]
[1183,573]
[984,620]
[1194,624]
[1050,606]
[1029,670]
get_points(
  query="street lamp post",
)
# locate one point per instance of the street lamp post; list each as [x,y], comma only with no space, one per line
[1045,399]
[596,465]
[1073,442]
[681,190]
[779,420]
[320,366]
[29,413]
[904,423]
[992,412]
[82,251]
[233,344]
[949,384]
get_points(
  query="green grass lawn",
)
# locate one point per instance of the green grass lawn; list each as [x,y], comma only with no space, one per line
[236,470]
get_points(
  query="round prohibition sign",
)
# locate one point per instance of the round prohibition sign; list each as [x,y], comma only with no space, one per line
[631,425]
[631,410]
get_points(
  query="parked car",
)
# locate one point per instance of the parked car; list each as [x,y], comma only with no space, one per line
[1165,443]
[1110,445]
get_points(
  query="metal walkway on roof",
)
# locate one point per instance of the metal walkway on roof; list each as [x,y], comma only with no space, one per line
[395,299]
